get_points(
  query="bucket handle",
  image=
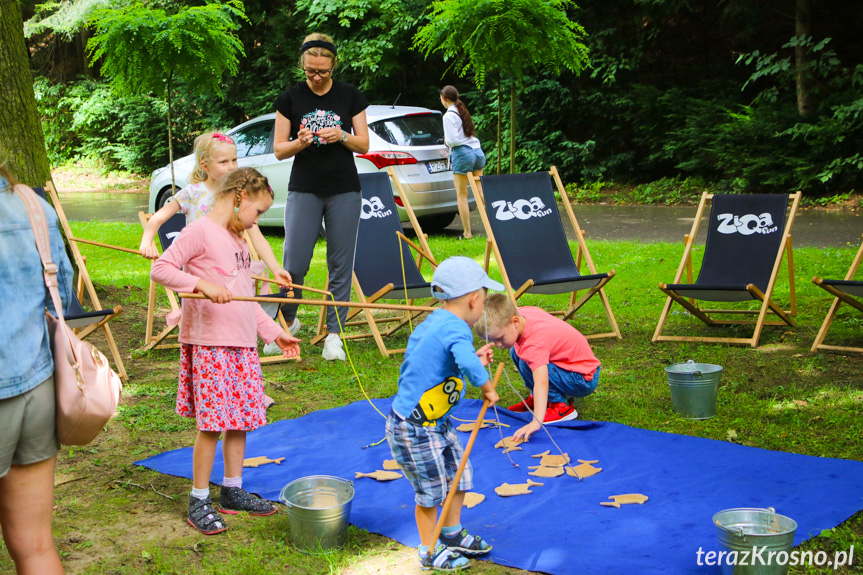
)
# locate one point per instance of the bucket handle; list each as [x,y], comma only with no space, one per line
[694,372]
[288,503]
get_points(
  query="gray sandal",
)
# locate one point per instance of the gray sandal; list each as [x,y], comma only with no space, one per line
[203,517]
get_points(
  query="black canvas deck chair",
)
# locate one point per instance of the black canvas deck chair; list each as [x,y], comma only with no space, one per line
[526,234]
[384,268]
[849,291]
[85,322]
[747,237]
[167,337]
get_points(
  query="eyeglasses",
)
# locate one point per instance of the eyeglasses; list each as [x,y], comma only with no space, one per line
[321,73]
[223,138]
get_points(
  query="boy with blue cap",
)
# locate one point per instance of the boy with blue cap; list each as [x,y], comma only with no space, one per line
[439,355]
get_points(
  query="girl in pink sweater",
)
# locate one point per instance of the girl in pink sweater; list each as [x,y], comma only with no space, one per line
[221,384]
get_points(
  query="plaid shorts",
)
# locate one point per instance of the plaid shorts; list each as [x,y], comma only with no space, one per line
[429,457]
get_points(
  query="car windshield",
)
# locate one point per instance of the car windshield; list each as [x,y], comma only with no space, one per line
[252,140]
[419,130]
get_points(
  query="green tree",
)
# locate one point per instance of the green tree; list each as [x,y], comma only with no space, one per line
[144,50]
[21,138]
[508,38]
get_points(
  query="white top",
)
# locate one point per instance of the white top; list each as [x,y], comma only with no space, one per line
[453,131]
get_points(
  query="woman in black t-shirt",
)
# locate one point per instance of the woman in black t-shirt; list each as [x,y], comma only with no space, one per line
[314,120]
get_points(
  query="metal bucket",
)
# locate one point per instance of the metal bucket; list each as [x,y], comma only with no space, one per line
[693,388]
[319,508]
[761,536]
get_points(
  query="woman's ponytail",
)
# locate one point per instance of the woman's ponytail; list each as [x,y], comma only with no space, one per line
[451,94]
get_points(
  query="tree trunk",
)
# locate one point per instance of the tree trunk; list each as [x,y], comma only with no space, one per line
[512,128]
[499,124]
[21,139]
[805,101]
[170,139]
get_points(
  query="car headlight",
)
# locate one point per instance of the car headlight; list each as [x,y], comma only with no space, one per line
[158,171]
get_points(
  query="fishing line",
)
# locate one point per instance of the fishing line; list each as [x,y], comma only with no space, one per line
[541,424]
[496,414]
[357,375]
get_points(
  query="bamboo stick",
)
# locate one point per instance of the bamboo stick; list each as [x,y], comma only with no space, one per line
[291,285]
[109,246]
[454,487]
[282,300]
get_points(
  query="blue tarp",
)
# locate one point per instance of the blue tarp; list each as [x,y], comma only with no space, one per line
[560,528]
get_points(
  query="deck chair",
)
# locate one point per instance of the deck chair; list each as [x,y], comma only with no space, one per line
[748,236]
[167,337]
[526,235]
[83,322]
[382,269]
[849,291]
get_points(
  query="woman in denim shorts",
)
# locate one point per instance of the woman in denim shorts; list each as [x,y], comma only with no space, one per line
[28,437]
[465,151]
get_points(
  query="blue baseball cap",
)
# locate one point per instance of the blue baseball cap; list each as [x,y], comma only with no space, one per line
[458,276]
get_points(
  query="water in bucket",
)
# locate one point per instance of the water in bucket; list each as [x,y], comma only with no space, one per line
[761,536]
[319,509]
[693,388]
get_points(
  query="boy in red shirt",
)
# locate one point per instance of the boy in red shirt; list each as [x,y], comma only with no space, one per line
[553,358]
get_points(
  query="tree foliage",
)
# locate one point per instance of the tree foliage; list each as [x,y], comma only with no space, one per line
[508,36]
[141,49]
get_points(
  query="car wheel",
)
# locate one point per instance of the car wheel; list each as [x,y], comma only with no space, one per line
[164,197]
[436,223]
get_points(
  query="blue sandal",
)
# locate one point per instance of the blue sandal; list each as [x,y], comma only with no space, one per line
[466,543]
[443,559]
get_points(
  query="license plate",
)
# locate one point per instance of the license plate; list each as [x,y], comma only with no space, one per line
[436,166]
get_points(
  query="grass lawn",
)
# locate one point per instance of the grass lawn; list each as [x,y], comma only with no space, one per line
[113,517]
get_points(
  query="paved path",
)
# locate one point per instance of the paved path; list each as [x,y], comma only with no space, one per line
[818,228]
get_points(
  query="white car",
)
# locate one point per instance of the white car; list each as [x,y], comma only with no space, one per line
[409,138]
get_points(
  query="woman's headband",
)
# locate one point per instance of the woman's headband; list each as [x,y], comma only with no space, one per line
[319,44]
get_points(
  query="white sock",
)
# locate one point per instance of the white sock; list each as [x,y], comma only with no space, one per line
[201,493]
[232,481]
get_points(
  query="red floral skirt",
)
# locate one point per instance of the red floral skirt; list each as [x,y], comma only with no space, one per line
[221,387]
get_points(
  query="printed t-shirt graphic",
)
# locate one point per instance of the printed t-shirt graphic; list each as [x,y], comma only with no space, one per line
[436,402]
[318,120]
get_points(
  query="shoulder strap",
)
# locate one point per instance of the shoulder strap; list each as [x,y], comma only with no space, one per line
[39,223]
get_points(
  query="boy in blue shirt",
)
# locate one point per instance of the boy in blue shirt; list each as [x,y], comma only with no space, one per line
[422,438]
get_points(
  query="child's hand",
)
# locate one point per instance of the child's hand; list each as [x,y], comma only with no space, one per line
[486,354]
[215,293]
[490,395]
[150,252]
[282,277]
[306,137]
[289,344]
[527,430]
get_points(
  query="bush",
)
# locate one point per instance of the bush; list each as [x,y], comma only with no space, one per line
[85,119]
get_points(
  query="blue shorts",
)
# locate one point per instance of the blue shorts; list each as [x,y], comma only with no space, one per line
[466,159]
[429,458]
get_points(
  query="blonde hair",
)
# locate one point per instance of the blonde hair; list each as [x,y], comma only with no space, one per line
[7,175]
[205,144]
[241,180]
[497,312]
[318,51]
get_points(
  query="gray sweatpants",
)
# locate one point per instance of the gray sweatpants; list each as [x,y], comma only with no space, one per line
[341,216]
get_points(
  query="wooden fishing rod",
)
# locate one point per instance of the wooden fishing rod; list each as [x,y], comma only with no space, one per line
[454,487]
[282,300]
[291,285]
[109,246]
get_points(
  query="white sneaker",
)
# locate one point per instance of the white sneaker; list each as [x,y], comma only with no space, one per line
[272,349]
[333,348]
[295,327]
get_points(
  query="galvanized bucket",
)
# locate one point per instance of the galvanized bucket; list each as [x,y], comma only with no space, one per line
[761,537]
[693,388]
[319,509]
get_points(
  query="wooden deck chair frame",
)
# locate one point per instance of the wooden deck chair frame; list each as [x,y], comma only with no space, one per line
[85,284]
[374,322]
[765,297]
[582,255]
[839,297]
[166,338]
